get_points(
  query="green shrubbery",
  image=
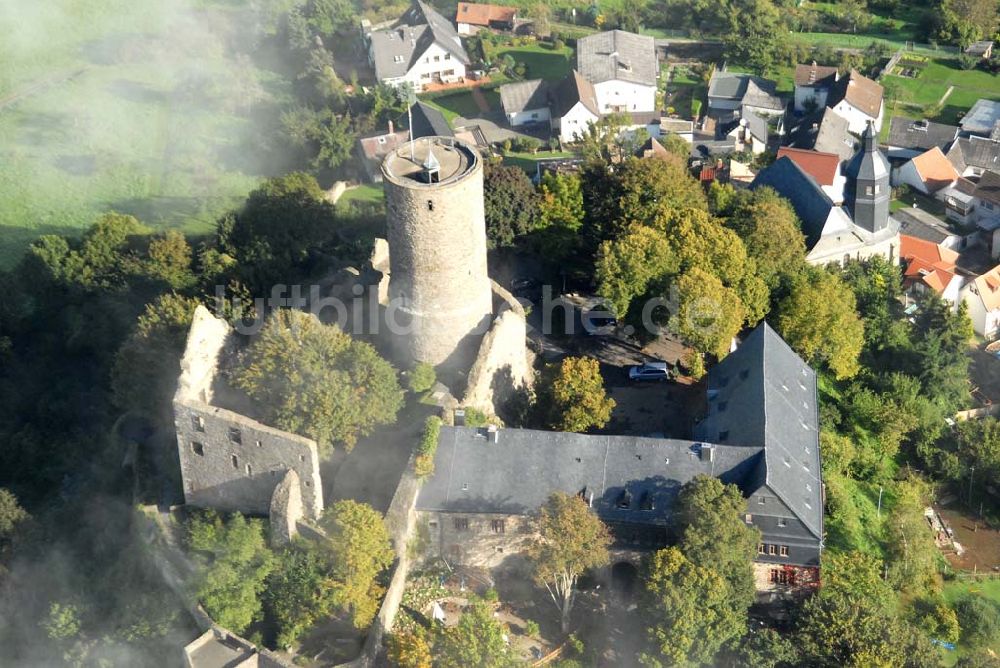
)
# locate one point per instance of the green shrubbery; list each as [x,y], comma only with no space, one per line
[422,377]
[423,465]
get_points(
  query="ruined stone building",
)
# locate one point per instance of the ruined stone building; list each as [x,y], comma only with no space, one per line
[761,433]
[229,461]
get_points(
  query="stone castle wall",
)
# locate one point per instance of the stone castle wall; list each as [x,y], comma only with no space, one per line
[503,366]
[437,236]
[482,540]
[229,461]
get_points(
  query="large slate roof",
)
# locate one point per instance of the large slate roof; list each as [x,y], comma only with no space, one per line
[811,204]
[764,395]
[767,433]
[974,152]
[737,86]
[919,135]
[616,54]
[517,474]
[825,131]
[572,89]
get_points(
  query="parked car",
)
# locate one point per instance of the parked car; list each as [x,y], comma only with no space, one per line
[649,371]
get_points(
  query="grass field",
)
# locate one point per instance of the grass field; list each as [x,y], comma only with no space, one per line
[369,192]
[541,61]
[935,76]
[157,117]
[461,103]
[957,589]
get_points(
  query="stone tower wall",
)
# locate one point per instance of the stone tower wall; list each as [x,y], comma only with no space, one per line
[437,238]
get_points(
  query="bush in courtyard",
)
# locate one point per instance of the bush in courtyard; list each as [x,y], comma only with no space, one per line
[422,377]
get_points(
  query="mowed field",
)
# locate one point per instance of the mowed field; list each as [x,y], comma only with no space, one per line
[929,82]
[143,107]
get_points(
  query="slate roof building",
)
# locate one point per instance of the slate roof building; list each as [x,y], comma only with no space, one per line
[835,233]
[909,138]
[761,433]
[919,224]
[972,156]
[422,48]
[825,131]
[731,94]
[623,68]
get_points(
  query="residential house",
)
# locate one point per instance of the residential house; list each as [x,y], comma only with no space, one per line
[858,99]
[574,107]
[422,48]
[972,156]
[623,69]
[678,126]
[825,131]
[929,268]
[834,233]
[812,86]
[982,119]
[731,94]
[749,133]
[959,201]
[982,296]
[471,17]
[919,224]
[986,199]
[761,433]
[526,102]
[928,173]
[824,168]
[908,138]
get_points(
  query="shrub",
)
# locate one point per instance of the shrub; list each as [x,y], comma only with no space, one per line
[474,417]
[491,595]
[531,628]
[422,377]
[694,364]
[423,463]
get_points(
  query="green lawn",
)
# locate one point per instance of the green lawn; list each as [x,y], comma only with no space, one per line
[160,121]
[461,103]
[957,589]
[928,204]
[936,75]
[541,61]
[368,192]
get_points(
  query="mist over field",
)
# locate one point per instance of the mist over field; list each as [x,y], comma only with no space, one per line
[152,108]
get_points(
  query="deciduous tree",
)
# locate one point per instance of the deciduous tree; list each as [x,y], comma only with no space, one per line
[572,540]
[819,320]
[573,395]
[315,380]
[477,640]
[707,314]
[626,267]
[360,550]
[510,203]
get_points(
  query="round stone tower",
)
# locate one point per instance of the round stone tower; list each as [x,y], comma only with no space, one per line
[438,285]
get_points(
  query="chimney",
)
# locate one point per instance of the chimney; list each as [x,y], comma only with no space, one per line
[492,434]
[391,128]
[459,412]
[707,452]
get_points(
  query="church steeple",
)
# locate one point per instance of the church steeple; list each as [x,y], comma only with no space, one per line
[868,185]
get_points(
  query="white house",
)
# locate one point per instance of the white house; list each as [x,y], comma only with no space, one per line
[824,168]
[749,133]
[982,296]
[858,99]
[422,48]
[574,107]
[526,102]
[959,201]
[927,173]
[623,69]
[812,86]
[930,268]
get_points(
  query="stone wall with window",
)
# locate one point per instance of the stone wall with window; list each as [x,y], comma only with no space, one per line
[781,580]
[229,461]
[483,540]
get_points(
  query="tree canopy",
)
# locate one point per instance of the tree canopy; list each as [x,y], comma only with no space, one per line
[572,395]
[315,380]
[510,203]
[572,540]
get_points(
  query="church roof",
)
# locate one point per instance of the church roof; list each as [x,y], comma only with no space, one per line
[811,204]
